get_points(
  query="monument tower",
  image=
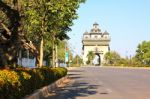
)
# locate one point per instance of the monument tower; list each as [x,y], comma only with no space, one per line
[97,42]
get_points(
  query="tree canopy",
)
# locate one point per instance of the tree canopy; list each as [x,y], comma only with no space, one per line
[77,61]
[143,53]
[34,24]
[112,57]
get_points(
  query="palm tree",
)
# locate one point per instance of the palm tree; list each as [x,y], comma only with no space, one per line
[90,57]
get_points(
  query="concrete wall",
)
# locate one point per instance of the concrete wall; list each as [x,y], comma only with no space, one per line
[25,62]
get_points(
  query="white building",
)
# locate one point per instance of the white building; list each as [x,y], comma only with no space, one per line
[97,42]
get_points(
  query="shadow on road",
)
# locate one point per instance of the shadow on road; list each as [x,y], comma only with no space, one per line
[77,88]
[73,91]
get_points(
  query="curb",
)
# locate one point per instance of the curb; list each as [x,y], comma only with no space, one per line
[125,67]
[44,91]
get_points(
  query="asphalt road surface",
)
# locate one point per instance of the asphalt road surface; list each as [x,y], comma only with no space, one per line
[105,83]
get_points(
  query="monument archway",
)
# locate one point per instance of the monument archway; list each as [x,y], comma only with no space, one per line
[97,42]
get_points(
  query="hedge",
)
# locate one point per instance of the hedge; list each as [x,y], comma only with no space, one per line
[15,84]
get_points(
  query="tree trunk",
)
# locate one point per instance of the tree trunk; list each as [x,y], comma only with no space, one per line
[9,41]
[53,52]
[8,58]
[56,56]
[41,53]
[37,60]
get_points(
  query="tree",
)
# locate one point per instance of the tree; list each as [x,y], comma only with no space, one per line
[77,61]
[11,37]
[36,25]
[112,57]
[65,12]
[143,53]
[61,50]
[38,21]
[90,57]
[52,19]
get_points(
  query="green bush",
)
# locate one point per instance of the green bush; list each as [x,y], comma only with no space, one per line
[15,84]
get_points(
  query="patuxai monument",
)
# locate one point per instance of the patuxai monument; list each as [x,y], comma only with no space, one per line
[96,42]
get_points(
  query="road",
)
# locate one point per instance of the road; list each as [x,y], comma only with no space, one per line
[105,83]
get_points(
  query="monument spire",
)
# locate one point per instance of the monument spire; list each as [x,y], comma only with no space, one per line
[95,28]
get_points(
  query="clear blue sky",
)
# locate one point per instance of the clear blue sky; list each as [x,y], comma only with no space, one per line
[127,21]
